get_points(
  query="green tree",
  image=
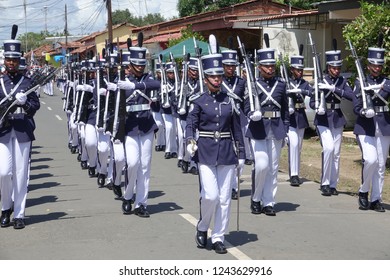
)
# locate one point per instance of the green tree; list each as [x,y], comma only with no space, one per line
[122,16]
[364,31]
[303,4]
[193,7]
[35,40]
[185,34]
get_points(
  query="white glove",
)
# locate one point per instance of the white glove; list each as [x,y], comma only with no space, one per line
[291,111]
[102,91]
[320,111]
[88,88]
[21,98]
[372,87]
[191,148]
[256,116]
[369,113]
[70,84]
[241,163]
[326,86]
[293,91]
[126,85]
[112,87]
[79,88]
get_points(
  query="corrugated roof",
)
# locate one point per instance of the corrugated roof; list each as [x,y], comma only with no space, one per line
[163,38]
[278,16]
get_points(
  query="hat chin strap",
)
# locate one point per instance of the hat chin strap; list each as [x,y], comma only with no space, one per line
[211,84]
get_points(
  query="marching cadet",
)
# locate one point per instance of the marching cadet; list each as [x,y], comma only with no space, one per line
[16,135]
[372,129]
[215,115]
[139,131]
[330,120]
[188,164]
[267,130]
[299,88]
[234,86]
[168,113]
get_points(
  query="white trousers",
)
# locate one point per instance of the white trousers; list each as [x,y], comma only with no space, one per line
[82,150]
[118,162]
[14,170]
[331,146]
[295,141]
[266,155]
[73,130]
[138,157]
[103,149]
[91,144]
[160,134]
[215,197]
[181,151]
[170,133]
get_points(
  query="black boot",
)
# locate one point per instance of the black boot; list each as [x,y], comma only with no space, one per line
[92,171]
[5,219]
[117,191]
[101,180]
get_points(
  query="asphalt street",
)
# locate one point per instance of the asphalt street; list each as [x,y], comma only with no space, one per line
[69,218]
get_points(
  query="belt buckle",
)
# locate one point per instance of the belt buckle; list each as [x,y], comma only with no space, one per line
[217,134]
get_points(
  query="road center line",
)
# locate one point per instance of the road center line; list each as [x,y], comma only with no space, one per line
[231,249]
[58,117]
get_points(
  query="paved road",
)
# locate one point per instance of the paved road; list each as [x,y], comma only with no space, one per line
[68,217]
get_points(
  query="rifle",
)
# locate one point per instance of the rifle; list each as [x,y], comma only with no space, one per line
[284,74]
[164,89]
[7,105]
[101,99]
[176,73]
[252,88]
[319,95]
[366,98]
[182,103]
[110,96]
[198,52]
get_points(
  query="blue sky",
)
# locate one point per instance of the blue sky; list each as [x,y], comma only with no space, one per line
[83,16]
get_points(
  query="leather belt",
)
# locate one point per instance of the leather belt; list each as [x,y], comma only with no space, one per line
[137,107]
[332,106]
[214,134]
[271,114]
[381,109]
[300,106]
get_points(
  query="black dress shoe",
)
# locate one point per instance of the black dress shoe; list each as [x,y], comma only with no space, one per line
[180,163]
[234,194]
[5,219]
[219,248]
[184,166]
[325,190]
[109,186]
[157,148]
[174,155]
[117,191]
[73,149]
[334,191]
[92,171]
[269,211]
[126,206]
[84,164]
[141,212]
[377,206]
[19,223]
[167,156]
[363,201]
[248,162]
[194,170]
[101,180]
[79,157]
[255,207]
[294,181]
[201,238]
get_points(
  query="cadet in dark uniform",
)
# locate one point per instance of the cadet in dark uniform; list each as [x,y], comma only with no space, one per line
[299,89]
[234,86]
[215,115]
[16,136]
[140,129]
[372,129]
[267,130]
[330,122]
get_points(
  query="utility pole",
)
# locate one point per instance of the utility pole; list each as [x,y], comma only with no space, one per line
[45,8]
[109,21]
[66,35]
[25,23]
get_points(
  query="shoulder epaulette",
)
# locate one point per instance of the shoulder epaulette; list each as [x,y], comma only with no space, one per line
[195,96]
